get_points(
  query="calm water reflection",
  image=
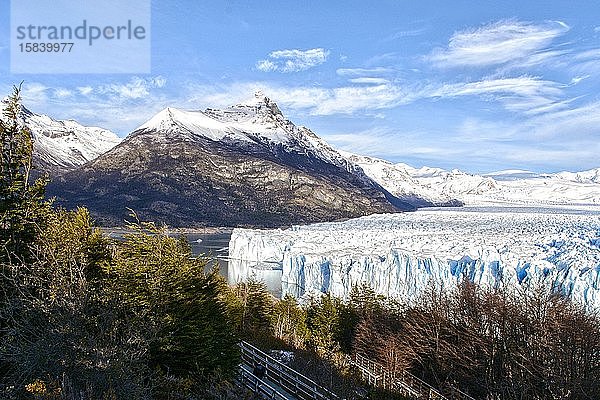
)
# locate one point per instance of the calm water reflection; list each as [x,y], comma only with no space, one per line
[216,246]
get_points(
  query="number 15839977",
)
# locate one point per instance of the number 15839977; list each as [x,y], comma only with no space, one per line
[44,47]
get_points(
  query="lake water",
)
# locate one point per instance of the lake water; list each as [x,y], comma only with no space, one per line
[216,247]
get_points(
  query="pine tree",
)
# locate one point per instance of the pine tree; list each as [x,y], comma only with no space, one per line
[22,205]
[290,321]
[323,321]
[175,304]
[251,307]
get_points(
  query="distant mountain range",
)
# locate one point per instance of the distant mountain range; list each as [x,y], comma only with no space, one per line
[61,146]
[502,188]
[248,165]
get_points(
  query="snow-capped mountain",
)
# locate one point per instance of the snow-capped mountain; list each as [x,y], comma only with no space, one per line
[243,165]
[509,187]
[257,121]
[60,146]
[516,187]
[397,179]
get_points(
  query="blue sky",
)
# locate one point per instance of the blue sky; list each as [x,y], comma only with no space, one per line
[474,85]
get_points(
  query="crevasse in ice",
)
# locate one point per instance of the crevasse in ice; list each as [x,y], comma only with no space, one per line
[399,255]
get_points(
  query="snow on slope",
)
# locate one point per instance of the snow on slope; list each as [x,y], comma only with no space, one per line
[510,187]
[397,180]
[590,176]
[399,254]
[517,188]
[63,145]
[258,120]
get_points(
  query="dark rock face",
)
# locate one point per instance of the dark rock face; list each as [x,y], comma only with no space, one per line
[183,179]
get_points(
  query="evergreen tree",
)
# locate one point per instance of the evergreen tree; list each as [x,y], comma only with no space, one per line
[22,205]
[323,322]
[290,321]
[251,307]
[176,304]
[62,334]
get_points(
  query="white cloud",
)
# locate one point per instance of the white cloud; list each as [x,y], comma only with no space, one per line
[312,100]
[266,66]
[522,86]
[370,80]
[585,62]
[524,94]
[575,80]
[35,94]
[62,93]
[498,43]
[357,72]
[383,142]
[293,60]
[527,95]
[351,99]
[136,88]
[406,33]
[85,90]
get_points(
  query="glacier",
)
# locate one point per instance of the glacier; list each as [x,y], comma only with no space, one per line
[400,255]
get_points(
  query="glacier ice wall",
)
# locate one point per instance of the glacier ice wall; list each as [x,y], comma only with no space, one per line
[399,255]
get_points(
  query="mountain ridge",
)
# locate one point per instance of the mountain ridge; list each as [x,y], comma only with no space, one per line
[60,146]
[245,165]
[257,132]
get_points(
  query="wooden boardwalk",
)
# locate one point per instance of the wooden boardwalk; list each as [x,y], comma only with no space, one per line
[284,383]
[405,383]
[280,381]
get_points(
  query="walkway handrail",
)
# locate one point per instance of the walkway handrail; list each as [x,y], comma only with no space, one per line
[288,378]
[256,385]
[405,382]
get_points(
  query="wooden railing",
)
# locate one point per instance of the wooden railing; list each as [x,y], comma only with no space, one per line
[405,383]
[258,386]
[291,381]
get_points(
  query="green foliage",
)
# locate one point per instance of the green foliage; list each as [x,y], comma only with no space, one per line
[323,322]
[290,322]
[176,302]
[251,308]
[364,300]
[61,331]
[22,205]
[84,317]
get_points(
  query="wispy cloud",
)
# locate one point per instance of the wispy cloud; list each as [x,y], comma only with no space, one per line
[525,86]
[525,94]
[62,93]
[358,72]
[311,100]
[404,33]
[35,94]
[498,43]
[585,62]
[292,60]
[136,88]
[370,80]
[119,106]
[85,90]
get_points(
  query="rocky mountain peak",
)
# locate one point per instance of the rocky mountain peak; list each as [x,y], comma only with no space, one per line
[63,145]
